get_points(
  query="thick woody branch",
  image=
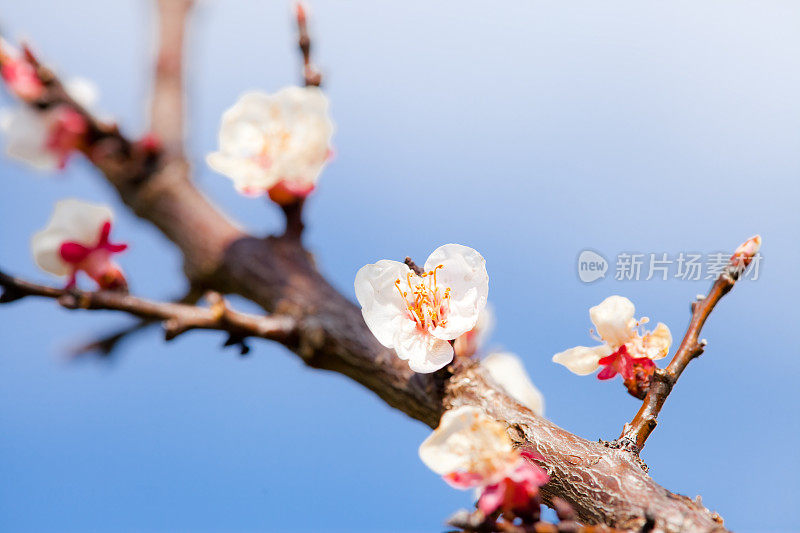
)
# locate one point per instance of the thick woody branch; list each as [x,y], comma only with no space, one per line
[177,318]
[645,421]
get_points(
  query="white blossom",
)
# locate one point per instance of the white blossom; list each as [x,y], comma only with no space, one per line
[616,327]
[417,315]
[77,239]
[29,133]
[470,444]
[269,140]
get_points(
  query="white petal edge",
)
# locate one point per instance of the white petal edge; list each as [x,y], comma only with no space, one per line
[382,306]
[464,272]
[507,370]
[424,352]
[444,449]
[659,342]
[613,318]
[582,360]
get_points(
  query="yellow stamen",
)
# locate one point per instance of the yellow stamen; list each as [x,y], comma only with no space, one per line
[428,302]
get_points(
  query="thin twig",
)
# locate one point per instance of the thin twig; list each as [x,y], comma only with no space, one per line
[294,219]
[104,346]
[107,343]
[311,75]
[177,318]
[639,429]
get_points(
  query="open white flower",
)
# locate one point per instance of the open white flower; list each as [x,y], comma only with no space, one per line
[507,370]
[77,239]
[45,139]
[276,143]
[469,446]
[418,314]
[617,328]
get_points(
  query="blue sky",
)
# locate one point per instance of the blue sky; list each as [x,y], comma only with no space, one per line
[529,130]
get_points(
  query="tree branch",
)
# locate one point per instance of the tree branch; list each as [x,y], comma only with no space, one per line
[177,318]
[106,344]
[168,106]
[639,429]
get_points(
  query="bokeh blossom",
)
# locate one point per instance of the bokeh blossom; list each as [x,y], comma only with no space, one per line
[19,74]
[275,143]
[507,370]
[47,138]
[418,314]
[76,239]
[471,450]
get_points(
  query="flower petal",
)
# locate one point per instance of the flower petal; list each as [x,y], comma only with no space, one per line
[492,498]
[506,370]
[73,221]
[26,134]
[613,319]
[463,270]
[382,306]
[464,434]
[425,353]
[268,138]
[657,342]
[582,360]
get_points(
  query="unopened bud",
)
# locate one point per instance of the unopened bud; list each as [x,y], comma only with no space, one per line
[745,253]
[300,12]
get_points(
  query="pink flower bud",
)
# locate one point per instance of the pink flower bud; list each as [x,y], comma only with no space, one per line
[746,251]
[300,12]
[20,76]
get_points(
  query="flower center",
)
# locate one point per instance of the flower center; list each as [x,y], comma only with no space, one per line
[426,301]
